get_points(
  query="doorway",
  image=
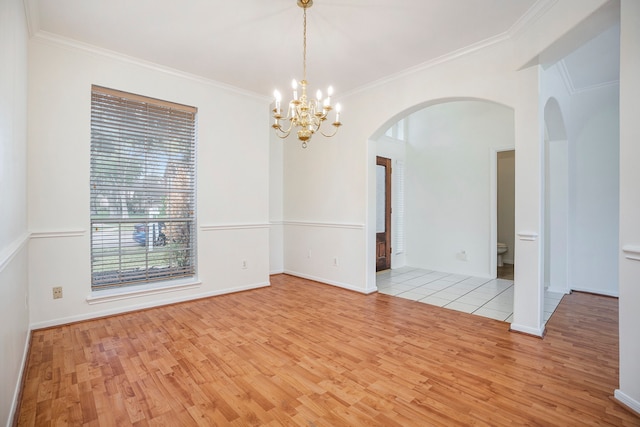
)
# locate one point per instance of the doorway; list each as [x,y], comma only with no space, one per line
[505,208]
[383,213]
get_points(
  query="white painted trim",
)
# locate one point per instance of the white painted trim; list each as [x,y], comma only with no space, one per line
[57,234]
[528,235]
[55,39]
[596,291]
[538,9]
[16,392]
[233,227]
[12,250]
[432,63]
[631,252]
[153,304]
[117,294]
[324,224]
[566,77]
[280,271]
[527,330]
[627,400]
[33,18]
[331,282]
[572,89]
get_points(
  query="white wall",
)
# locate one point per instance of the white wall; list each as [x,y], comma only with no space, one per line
[506,194]
[557,108]
[232,180]
[629,391]
[276,243]
[14,314]
[557,218]
[594,164]
[448,181]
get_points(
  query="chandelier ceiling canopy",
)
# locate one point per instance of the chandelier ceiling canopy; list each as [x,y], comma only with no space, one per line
[305,116]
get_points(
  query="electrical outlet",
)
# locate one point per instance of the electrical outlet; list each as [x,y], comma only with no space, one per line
[57,292]
[335,262]
[244,264]
[462,255]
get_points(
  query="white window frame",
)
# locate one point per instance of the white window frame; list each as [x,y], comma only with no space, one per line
[143,190]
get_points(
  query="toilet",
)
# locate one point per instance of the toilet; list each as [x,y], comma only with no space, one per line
[502,248]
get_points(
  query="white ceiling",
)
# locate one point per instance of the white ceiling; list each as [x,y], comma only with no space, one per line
[256,45]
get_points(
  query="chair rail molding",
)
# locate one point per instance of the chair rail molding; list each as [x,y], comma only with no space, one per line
[7,254]
[233,227]
[324,225]
[57,234]
[528,235]
[631,252]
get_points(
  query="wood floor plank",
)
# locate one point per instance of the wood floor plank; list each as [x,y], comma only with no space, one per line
[300,353]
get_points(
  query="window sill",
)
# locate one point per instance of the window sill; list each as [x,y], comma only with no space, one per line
[118,294]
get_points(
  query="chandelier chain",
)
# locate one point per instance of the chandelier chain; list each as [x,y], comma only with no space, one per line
[304,45]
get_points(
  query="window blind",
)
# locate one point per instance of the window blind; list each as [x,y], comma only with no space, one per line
[142,189]
[398,175]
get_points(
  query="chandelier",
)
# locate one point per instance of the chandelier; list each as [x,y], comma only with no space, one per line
[304,114]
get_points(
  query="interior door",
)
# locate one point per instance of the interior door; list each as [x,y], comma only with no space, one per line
[383,213]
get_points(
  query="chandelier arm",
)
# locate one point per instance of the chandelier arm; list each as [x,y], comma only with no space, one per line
[287,130]
[283,135]
[334,132]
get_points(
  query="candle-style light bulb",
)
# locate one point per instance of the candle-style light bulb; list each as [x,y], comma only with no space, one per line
[294,86]
[319,95]
[278,97]
[338,108]
[329,93]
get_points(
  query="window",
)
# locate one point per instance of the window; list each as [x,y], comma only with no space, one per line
[397,130]
[398,193]
[142,189]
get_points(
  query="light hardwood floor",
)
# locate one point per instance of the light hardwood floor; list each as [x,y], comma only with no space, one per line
[307,354]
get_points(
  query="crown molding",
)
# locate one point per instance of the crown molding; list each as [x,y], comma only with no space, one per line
[566,77]
[432,63]
[571,87]
[33,19]
[538,9]
[65,42]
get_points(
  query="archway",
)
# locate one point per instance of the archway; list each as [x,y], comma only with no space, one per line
[450,181]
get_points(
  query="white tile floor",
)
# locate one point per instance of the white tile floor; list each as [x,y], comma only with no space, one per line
[484,297]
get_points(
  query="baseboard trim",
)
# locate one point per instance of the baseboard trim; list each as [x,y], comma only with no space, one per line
[144,306]
[595,292]
[330,282]
[536,332]
[17,393]
[627,401]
